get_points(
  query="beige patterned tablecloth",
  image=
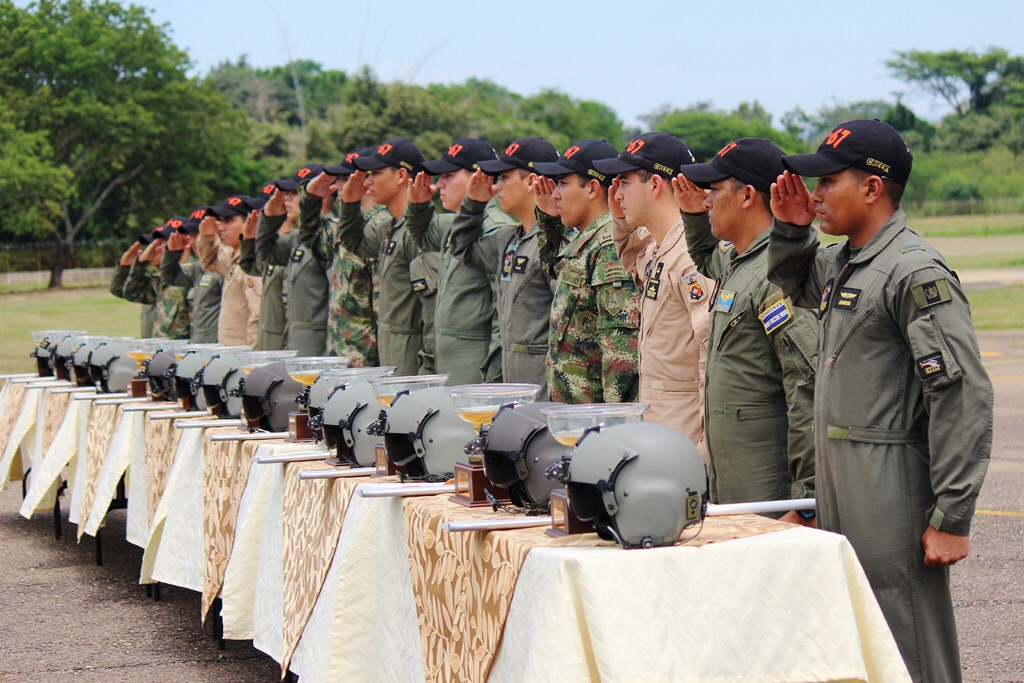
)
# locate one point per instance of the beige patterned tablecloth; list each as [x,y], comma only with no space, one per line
[161,440]
[225,474]
[54,407]
[102,421]
[313,511]
[15,398]
[463,582]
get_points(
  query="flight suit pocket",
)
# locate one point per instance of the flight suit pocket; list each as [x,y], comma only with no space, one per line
[744,412]
[934,362]
[423,273]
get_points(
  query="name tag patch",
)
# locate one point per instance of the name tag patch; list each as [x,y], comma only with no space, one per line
[776,315]
[297,255]
[848,298]
[725,300]
[519,266]
[418,285]
[931,293]
[204,281]
[652,289]
[390,248]
[931,366]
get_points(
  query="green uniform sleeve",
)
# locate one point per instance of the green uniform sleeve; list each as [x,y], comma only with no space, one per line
[356,235]
[935,318]
[425,226]
[140,286]
[316,229]
[796,347]
[247,258]
[270,248]
[550,241]
[171,272]
[796,264]
[118,279]
[618,326]
[702,245]
[481,252]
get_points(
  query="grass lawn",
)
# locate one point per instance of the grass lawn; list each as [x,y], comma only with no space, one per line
[79,308]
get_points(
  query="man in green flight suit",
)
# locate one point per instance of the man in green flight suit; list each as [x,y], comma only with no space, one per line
[759,379]
[902,405]
[595,313]
[205,287]
[512,254]
[385,175]
[351,290]
[464,314]
[272,308]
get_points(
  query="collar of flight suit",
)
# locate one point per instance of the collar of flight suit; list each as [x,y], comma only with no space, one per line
[575,246]
[672,237]
[760,242]
[881,239]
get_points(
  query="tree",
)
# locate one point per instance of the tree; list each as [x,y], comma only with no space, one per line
[101,91]
[706,131]
[964,79]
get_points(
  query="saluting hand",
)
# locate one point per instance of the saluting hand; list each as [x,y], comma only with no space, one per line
[542,188]
[208,226]
[481,187]
[155,247]
[614,205]
[177,241]
[274,205]
[249,228]
[420,189]
[791,201]
[353,189]
[130,254]
[689,197]
[321,185]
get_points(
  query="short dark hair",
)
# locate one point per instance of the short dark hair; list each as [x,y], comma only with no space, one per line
[892,190]
[766,197]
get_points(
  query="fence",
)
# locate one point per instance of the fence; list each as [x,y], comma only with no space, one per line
[38,256]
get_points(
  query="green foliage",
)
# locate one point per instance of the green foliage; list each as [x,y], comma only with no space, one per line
[964,79]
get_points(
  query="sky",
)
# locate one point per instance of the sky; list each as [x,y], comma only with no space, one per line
[632,56]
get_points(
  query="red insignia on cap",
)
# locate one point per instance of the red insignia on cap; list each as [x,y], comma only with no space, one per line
[174,224]
[304,171]
[234,201]
[512,149]
[198,214]
[571,152]
[836,137]
[454,150]
[268,188]
[728,148]
[384,149]
[635,146]
[350,156]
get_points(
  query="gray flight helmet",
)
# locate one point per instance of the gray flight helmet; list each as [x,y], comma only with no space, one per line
[187,382]
[327,383]
[80,361]
[347,417]
[43,351]
[114,366]
[60,355]
[425,435]
[220,376]
[268,395]
[641,484]
[160,373]
[518,449]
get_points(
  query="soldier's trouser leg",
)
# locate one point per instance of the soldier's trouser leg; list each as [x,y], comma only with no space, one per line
[401,350]
[462,359]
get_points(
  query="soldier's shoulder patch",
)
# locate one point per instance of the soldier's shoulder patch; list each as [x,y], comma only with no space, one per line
[911,247]
[724,246]
[776,315]
[826,292]
[770,301]
[572,275]
[696,290]
[931,293]
[418,285]
[297,254]
[724,301]
[520,264]
[930,365]
[205,279]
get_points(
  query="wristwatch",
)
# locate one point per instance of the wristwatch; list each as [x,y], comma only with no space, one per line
[807,514]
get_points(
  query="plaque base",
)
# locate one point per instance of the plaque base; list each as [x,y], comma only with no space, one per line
[563,521]
[298,428]
[138,388]
[472,486]
[385,468]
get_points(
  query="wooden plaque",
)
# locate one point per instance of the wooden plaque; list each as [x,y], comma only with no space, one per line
[138,388]
[563,521]
[298,427]
[385,468]
[471,487]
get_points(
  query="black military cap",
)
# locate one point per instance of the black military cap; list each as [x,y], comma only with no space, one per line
[658,153]
[752,161]
[200,212]
[232,206]
[189,227]
[144,239]
[464,153]
[867,144]
[162,232]
[521,153]
[579,158]
[255,203]
[303,175]
[393,152]
[347,165]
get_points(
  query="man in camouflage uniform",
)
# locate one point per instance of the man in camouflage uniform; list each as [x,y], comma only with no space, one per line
[352,291]
[385,175]
[205,287]
[141,284]
[464,319]
[759,386]
[595,313]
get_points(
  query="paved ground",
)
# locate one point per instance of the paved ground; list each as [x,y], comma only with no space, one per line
[65,619]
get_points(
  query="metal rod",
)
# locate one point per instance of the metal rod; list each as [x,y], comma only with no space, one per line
[204,424]
[147,408]
[761,507]
[74,390]
[118,401]
[19,375]
[404,490]
[29,379]
[338,474]
[249,436]
[93,397]
[177,414]
[47,384]
[292,457]
[496,524]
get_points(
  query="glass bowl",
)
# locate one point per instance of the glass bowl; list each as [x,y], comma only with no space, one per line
[387,388]
[306,369]
[478,403]
[568,422]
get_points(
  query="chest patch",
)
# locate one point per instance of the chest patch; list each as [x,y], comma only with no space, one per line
[931,293]
[520,263]
[776,316]
[205,280]
[389,249]
[931,365]
[724,301]
[848,298]
[651,291]
[825,293]
[418,285]
[572,275]
[506,264]
[297,255]
[270,268]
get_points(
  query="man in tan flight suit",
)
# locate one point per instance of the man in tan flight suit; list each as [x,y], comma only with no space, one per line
[648,233]
[218,247]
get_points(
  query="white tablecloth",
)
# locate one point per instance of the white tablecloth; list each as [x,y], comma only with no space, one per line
[25,438]
[115,464]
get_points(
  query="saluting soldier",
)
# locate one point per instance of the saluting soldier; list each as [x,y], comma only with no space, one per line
[512,253]
[385,175]
[272,307]
[141,284]
[903,406]
[595,313]
[464,318]
[352,292]
[205,287]
[762,352]
[648,233]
